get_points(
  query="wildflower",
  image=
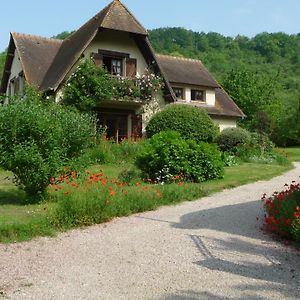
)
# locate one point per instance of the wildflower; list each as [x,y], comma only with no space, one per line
[112,193]
[74,184]
[296,215]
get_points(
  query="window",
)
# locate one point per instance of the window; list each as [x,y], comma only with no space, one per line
[114,66]
[178,92]
[197,95]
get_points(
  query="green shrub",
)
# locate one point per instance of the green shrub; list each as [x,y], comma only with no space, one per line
[260,150]
[192,123]
[38,139]
[167,155]
[229,138]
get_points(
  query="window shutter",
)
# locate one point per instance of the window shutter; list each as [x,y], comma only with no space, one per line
[131,67]
[97,58]
[137,126]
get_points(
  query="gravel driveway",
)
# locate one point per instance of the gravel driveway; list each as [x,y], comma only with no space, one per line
[207,249]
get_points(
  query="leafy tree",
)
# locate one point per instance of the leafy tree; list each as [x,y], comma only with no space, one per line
[63,35]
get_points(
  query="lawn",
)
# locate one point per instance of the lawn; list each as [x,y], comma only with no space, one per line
[292,153]
[21,222]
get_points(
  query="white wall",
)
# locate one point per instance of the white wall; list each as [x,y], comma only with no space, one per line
[16,68]
[120,42]
[223,122]
[210,97]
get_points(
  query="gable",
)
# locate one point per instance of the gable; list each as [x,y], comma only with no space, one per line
[117,41]
[115,16]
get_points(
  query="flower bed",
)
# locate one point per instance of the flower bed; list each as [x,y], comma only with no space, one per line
[97,198]
[283,212]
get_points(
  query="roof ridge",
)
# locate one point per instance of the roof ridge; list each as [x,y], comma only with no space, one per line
[118,2]
[181,58]
[36,36]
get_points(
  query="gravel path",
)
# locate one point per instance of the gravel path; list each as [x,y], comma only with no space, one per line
[207,249]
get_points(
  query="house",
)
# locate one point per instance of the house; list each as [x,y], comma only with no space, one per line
[117,40]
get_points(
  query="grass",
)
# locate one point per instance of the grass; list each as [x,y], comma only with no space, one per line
[20,222]
[292,153]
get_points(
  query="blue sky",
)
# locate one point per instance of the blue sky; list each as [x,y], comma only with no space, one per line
[228,17]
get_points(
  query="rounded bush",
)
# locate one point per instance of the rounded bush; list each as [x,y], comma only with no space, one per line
[191,122]
[229,138]
[167,155]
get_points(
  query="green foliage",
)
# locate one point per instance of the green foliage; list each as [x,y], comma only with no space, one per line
[260,150]
[229,138]
[251,91]
[167,155]
[109,152]
[88,85]
[191,122]
[38,138]
[91,84]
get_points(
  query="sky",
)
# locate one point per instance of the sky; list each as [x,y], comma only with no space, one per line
[228,17]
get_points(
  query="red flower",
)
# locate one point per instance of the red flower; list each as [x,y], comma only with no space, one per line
[296,215]
[112,193]
[288,222]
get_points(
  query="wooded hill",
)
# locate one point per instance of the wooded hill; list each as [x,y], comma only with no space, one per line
[271,61]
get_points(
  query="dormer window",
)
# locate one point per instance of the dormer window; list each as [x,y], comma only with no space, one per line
[197,95]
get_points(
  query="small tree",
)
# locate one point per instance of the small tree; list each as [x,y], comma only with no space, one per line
[37,139]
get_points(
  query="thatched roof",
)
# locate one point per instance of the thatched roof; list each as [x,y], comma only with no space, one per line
[115,16]
[185,71]
[182,70]
[36,55]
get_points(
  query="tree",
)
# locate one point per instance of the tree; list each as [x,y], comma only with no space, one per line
[251,91]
